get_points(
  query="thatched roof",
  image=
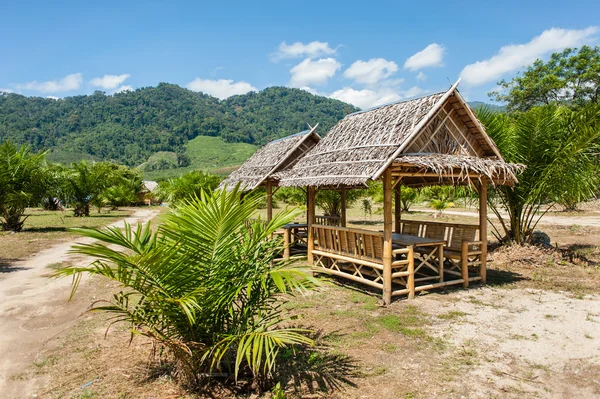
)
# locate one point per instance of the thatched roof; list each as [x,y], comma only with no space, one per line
[364,144]
[276,156]
[430,169]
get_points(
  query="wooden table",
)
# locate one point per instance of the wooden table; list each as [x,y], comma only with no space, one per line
[292,235]
[437,244]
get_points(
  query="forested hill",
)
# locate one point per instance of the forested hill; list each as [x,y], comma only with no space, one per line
[129,127]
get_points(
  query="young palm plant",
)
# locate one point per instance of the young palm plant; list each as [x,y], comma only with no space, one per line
[205,284]
[23,182]
[560,148]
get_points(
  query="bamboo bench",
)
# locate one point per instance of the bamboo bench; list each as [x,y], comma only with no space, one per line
[328,220]
[463,246]
[358,256]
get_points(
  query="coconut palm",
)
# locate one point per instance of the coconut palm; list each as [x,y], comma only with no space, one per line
[559,146]
[23,181]
[205,285]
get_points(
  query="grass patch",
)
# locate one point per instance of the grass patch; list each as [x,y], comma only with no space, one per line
[44,228]
[368,302]
[207,153]
[453,314]
[408,322]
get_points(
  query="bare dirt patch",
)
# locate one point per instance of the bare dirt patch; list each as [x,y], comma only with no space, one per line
[34,309]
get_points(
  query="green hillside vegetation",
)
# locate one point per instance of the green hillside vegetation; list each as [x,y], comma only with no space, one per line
[129,127]
[204,153]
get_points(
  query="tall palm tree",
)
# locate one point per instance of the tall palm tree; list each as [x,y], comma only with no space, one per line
[205,285]
[560,148]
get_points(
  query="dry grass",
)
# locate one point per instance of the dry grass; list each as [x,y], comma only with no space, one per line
[45,228]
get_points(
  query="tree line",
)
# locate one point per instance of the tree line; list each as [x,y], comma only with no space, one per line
[130,126]
[27,179]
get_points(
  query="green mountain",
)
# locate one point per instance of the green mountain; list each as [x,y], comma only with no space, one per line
[493,107]
[130,127]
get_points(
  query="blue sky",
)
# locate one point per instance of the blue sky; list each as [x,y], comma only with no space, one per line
[366,53]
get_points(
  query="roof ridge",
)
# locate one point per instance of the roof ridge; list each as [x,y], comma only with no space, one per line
[394,103]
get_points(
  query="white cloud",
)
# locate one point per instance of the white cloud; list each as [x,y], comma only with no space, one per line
[123,88]
[414,91]
[366,98]
[68,83]
[513,57]
[421,76]
[221,88]
[430,56]
[52,97]
[372,71]
[2,90]
[310,90]
[109,82]
[298,49]
[313,72]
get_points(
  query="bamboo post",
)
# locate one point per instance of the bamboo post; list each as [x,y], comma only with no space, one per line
[286,243]
[411,273]
[310,199]
[387,237]
[397,208]
[440,252]
[483,230]
[343,206]
[269,200]
[464,263]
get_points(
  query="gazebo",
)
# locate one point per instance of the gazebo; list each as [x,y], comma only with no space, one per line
[275,157]
[432,140]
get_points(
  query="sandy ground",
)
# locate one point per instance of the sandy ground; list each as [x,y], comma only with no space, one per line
[588,221]
[35,308]
[532,343]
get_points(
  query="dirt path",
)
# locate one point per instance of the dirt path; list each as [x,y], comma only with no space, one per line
[588,221]
[34,308]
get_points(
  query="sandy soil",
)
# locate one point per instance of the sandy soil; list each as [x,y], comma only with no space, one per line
[533,343]
[34,308]
[568,220]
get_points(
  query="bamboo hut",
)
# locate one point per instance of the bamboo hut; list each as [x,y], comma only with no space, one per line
[432,140]
[277,156]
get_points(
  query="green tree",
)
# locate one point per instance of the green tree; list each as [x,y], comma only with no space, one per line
[408,197]
[440,197]
[570,78]
[86,183]
[559,146]
[330,201]
[187,186]
[23,182]
[205,285]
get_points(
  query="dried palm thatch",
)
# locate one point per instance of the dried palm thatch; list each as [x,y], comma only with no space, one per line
[364,144]
[273,157]
[427,169]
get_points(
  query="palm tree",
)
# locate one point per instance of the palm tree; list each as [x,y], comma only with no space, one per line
[205,285]
[23,181]
[187,186]
[86,183]
[560,148]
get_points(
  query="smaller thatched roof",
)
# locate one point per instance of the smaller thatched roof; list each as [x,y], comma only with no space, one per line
[276,156]
[421,169]
[149,185]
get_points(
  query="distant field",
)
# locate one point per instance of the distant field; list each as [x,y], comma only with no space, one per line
[208,153]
